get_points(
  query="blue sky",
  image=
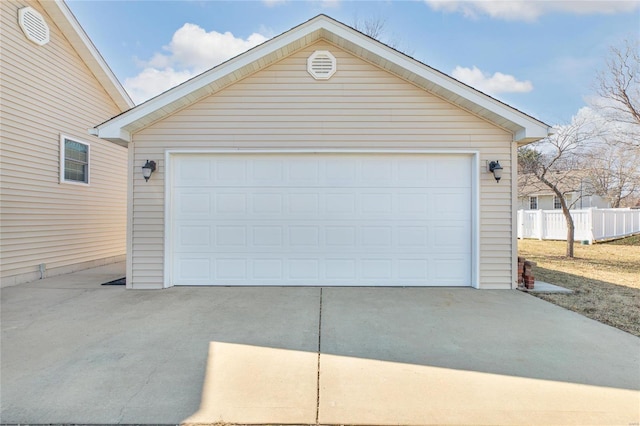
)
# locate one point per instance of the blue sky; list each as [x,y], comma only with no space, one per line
[538,56]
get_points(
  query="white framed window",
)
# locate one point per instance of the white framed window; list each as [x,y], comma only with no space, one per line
[533,203]
[556,202]
[74,160]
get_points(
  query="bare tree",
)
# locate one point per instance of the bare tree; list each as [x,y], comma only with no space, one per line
[615,173]
[618,86]
[373,27]
[615,163]
[549,160]
[376,27]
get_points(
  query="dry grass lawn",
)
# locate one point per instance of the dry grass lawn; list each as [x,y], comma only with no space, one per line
[605,278]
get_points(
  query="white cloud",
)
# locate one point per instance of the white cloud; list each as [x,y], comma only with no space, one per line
[191,51]
[151,82]
[491,84]
[530,10]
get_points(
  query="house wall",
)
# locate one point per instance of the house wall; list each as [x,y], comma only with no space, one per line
[545,202]
[47,91]
[361,106]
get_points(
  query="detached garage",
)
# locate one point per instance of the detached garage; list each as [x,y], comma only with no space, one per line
[322,158]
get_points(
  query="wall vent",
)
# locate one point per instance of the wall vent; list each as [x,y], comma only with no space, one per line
[321,65]
[33,25]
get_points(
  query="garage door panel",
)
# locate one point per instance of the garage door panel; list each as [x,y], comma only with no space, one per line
[451,238]
[230,236]
[302,203]
[449,172]
[449,271]
[228,172]
[194,270]
[304,171]
[268,269]
[304,236]
[376,236]
[340,236]
[412,203]
[303,270]
[231,269]
[321,219]
[192,237]
[446,205]
[331,170]
[412,236]
[192,204]
[230,203]
[195,173]
[342,270]
[266,236]
[413,270]
[379,269]
[318,203]
[266,203]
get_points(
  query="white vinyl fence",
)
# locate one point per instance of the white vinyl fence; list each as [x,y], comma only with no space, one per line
[590,225]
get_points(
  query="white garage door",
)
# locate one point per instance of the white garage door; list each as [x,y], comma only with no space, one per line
[320,219]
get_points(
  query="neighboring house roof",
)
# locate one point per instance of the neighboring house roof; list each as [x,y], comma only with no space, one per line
[525,128]
[70,27]
[567,181]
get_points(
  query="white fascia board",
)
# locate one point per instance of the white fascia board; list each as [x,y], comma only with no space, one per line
[531,129]
[531,134]
[74,32]
[112,134]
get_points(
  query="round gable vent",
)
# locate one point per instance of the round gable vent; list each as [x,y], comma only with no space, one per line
[321,65]
[33,25]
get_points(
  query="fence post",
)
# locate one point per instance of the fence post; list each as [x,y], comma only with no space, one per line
[540,224]
[590,219]
[520,230]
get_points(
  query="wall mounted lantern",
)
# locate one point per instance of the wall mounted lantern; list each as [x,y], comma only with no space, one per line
[496,169]
[147,169]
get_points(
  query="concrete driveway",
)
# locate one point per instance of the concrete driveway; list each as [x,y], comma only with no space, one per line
[77,352]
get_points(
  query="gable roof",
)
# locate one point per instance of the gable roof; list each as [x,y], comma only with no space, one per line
[525,128]
[68,24]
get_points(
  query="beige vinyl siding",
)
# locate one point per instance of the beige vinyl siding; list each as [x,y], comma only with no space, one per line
[48,91]
[361,106]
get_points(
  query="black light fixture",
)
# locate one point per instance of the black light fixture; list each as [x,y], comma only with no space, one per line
[496,169]
[147,169]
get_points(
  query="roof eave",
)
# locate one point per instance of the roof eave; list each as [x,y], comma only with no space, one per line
[531,134]
[525,128]
[197,87]
[118,136]
[72,30]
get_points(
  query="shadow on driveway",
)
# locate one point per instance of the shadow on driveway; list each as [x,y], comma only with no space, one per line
[108,355]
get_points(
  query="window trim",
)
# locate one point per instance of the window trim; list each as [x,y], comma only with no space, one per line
[64,138]
[557,205]
[530,200]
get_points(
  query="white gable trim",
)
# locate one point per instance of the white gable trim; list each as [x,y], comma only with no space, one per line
[119,129]
[69,25]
